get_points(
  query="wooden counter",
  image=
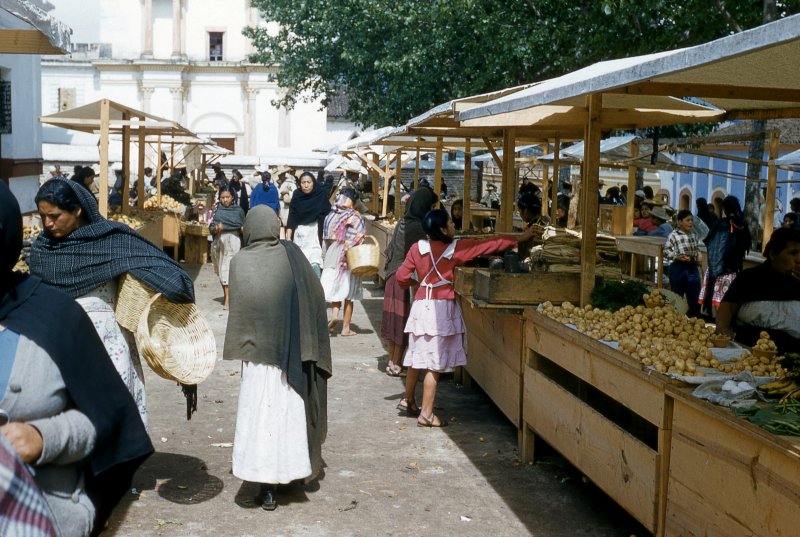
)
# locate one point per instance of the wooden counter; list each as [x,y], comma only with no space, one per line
[652,247]
[728,477]
[600,410]
[171,235]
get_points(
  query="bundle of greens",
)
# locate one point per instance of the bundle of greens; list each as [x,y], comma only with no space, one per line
[613,295]
[781,418]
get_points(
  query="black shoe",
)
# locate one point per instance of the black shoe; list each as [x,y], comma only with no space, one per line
[267,499]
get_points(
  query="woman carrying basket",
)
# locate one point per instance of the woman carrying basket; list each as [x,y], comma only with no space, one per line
[83,254]
[344,228]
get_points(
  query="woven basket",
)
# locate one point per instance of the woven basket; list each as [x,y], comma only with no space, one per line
[132,298]
[363,260]
[176,341]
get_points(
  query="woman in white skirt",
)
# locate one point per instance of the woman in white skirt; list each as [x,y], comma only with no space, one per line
[226,228]
[278,330]
[435,327]
[307,213]
[343,229]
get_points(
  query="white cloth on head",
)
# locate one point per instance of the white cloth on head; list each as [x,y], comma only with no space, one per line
[271,441]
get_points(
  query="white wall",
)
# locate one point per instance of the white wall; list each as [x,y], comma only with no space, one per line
[203,16]
[119,24]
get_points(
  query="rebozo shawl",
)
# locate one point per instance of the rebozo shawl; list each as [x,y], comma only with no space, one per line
[101,251]
[281,320]
[56,323]
[308,208]
[409,229]
[231,218]
[344,225]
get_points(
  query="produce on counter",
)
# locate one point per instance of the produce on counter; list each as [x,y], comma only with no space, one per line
[788,386]
[659,337]
[167,204]
[764,343]
[781,418]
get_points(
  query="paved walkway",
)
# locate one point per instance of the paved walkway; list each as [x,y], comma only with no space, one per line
[384,475]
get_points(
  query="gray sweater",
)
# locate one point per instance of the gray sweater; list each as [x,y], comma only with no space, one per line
[36,394]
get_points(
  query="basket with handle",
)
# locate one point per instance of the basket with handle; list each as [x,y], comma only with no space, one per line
[132,298]
[176,341]
[364,260]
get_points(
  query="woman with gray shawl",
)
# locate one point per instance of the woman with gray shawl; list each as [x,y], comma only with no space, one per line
[226,228]
[279,332]
[397,301]
[83,254]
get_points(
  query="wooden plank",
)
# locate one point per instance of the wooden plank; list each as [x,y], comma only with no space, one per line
[140,186]
[630,202]
[719,91]
[772,176]
[398,172]
[499,330]
[464,281]
[126,166]
[26,41]
[499,382]
[545,182]
[105,111]
[466,216]
[554,187]
[416,171]
[437,174]
[506,222]
[613,459]
[591,167]
[761,113]
[723,482]
[385,204]
[375,181]
[159,171]
[499,287]
[497,161]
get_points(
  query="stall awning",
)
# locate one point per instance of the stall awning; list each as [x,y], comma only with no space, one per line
[614,150]
[88,118]
[32,31]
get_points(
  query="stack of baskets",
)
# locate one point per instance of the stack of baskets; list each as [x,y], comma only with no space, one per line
[364,260]
[174,339]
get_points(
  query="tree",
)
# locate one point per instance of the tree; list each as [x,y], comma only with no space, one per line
[394,60]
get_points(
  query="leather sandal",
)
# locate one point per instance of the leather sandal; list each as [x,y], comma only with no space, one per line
[426,422]
[411,410]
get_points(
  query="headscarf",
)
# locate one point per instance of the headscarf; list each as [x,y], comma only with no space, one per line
[344,224]
[101,251]
[57,324]
[308,208]
[409,229]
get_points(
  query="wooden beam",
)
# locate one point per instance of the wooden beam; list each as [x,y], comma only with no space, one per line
[140,186]
[25,41]
[545,181]
[506,220]
[437,174]
[772,176]
[768,113]
[385,204]
[126,167]
[617,118]
[113,123]
[591,166]
[105,112]
[498,162]
[158,173]
[554,186]
[716,91]
[466,216]
[398,172]
[416,171]
[723,156]
[554,116]
[630,200]
[373,161]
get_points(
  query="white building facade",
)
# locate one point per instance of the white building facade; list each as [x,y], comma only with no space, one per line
[186,60]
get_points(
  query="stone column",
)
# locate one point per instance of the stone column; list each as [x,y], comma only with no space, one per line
[177,26]
[252,21]
[147,94]
[178,104]
[284,123]
[250,126]
[147,29]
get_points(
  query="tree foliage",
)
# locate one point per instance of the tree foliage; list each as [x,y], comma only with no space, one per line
[395,59]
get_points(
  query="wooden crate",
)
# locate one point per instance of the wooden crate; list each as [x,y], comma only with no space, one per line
[500,287]
[153,232]
[464,280]
[195,243]
[494,356]
[728,477]
[171,233]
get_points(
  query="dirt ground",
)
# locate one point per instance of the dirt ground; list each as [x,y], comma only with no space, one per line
[383,475]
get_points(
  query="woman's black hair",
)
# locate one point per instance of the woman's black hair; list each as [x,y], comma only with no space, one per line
[780,238]
[58,193]
[648,192]
[459,202]
[309,174]
[683,213]
[236,173]
[731,206]
[351,193]
[434,224]
[791,216]
[230,189]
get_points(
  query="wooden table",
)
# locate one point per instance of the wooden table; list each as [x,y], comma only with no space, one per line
[195,243]
[644,246]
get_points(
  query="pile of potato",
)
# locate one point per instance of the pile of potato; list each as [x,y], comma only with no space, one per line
[29,233]
[130,221]
[658,336]
[764,343]
[167,204]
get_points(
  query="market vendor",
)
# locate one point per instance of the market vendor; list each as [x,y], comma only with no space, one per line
[767,297]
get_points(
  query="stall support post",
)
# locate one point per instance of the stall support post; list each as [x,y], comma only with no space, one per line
[375,181]
[202,168]
[437,176]
[466,217]
[385,205]
[158,173]
[416,169]
[140,185]
[554,185]
[631,198]
[591,179]
[398,171]
[772,176]
[126,163]
[105,114]
[545,180]
[172,158]
[506,222]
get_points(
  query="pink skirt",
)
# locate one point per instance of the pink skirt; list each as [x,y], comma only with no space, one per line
[435,331]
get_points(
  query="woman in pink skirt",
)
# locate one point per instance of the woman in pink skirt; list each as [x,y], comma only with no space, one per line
[435,327]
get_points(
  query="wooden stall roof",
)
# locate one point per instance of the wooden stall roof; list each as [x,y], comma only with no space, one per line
[87,118]
[746,74]
[616,149]
[36,33]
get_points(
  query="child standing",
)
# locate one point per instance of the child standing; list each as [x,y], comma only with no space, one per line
[435,327]
[683,255]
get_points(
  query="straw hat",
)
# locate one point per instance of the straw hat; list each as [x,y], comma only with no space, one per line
[659,213]
[285,168]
